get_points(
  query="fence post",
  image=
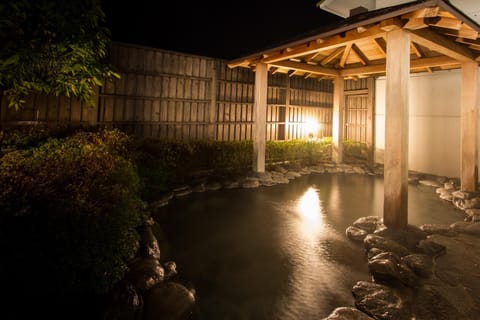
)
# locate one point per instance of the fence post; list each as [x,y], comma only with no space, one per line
[212,110]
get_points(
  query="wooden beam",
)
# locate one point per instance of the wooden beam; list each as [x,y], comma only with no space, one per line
[345,54]
[469,114]
[328,43]
[260,117]
[337,120]
[381,45]
[423,13]
[415,24]
[462,33]
[395,209]
[370,138]
[448,23]
[414,64]
[391,24]
[332,56]
[312,56]
[363,59]
[441,44]
[306,68]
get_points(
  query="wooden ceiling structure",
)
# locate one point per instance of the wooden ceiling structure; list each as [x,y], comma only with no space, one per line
[441,38]
[420,36]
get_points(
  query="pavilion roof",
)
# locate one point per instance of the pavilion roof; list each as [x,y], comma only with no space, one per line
[442,37]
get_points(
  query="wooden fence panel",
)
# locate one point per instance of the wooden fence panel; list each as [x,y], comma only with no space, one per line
[174,95]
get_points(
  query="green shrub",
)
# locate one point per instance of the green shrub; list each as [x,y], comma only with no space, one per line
[306,152]
[69,210]
[354,149]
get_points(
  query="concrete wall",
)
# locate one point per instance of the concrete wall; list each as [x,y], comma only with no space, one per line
[434,139]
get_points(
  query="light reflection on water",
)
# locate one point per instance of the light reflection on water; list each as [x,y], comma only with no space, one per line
[279,253]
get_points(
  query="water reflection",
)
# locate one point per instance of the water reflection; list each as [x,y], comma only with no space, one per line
[310,210]
[308,241]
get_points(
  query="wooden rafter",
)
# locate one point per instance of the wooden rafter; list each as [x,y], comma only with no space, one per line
[414,64]
[306,68]
[328,43]
[429,12]
[332,56]
[345,54]
[381,45]
[363,59]
[441,44]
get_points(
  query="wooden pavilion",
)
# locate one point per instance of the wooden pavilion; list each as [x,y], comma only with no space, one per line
[420,36]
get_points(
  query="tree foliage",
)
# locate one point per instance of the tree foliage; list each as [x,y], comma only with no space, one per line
[55,47]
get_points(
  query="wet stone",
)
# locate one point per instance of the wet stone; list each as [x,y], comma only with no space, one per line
[386,267]
[169,300]
[346,313]
[431,248]
[421,264]
[369,223]
[376,241]
[356,234]
[408,236]
[380,301]
[123,303]
[145,273]
[213,186]
[442,229]
[149,245]
[430,183]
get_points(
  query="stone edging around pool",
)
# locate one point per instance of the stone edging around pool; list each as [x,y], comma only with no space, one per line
[413,277]
[278,175]
[408,276]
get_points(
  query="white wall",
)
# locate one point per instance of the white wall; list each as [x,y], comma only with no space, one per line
[434,133]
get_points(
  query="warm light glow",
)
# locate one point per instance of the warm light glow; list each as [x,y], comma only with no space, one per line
[310,210]
[311,127]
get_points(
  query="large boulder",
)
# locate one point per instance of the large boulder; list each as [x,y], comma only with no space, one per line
[169,301]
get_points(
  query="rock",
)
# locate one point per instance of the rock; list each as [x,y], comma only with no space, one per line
[450,185]
[464,204]
[199,188]
[369,223]
[345,313]
[145,273]
[231,184]
[213,186]
[430,183]
[461,195]
[421,264]
[250,183]
[408,236]
[290,175]
[149,245]
[431,248]
[373,252]
[376,241]
[386,267]
[358,170]
[123,303]
[460,226]
[170,268]
[169,301]
[380,301]
[442,229]
[356,234]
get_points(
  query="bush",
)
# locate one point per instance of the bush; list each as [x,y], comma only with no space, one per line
[69,210]
[307,152]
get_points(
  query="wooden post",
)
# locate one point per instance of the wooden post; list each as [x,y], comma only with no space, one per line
[469,101]
[395,205]
[371,122]
[212,110]
[260,117]
[338,121]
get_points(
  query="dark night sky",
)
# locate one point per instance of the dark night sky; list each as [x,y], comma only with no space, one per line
[228,30]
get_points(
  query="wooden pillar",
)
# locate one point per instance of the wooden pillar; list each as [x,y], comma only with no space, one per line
[338,121]
[371,122]
[260,117]
[469,101]
[395,204]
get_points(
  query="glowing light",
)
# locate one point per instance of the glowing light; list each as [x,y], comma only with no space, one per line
[311,127]
[310,210]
